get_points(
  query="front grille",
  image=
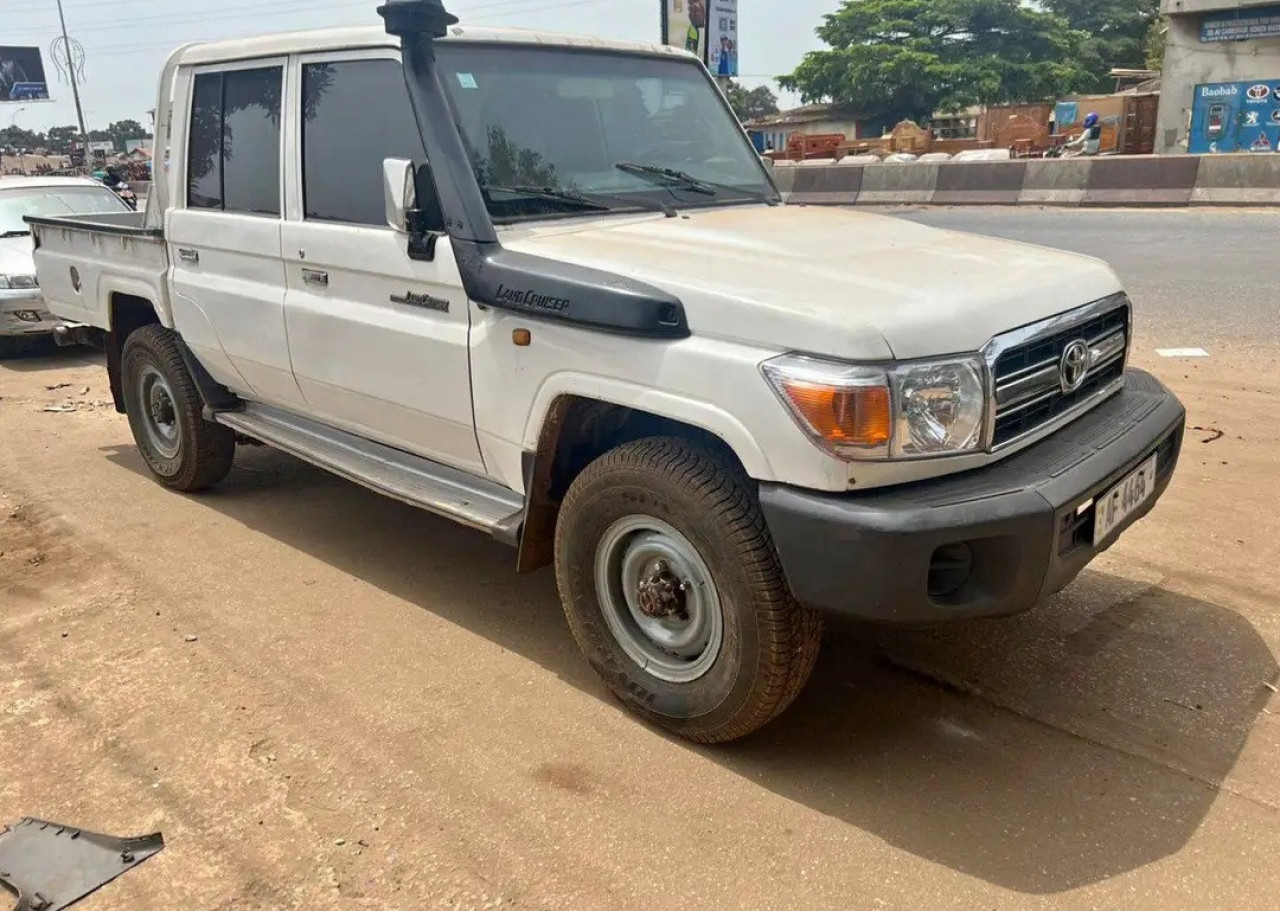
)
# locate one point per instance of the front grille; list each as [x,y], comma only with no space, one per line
[1028,378]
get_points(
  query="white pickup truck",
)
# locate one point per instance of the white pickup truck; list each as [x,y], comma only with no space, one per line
[543,285]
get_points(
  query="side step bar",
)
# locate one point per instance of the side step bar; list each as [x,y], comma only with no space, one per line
[411,479]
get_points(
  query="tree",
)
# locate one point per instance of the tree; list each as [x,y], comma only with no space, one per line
[1117,34]
[896,59]
[749,104]
[15,137]
[122,131]
[60,139]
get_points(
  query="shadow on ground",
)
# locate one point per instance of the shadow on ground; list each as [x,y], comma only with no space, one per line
[42,354]
[1042,753]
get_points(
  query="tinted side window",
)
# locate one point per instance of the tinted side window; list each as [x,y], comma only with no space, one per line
[356,113]
[204,150]
[233,159]
[251,141]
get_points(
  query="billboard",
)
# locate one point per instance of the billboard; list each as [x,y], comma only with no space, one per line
[1235,117]
[722,38]
[1241,25]
[684,24]
[22,75]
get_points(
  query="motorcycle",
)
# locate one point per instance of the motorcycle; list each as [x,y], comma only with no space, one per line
[127,196]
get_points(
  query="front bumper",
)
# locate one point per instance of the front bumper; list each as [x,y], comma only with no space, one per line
[984,543]
[25,302]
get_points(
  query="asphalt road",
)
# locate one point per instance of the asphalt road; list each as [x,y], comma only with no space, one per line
[1199,277]
[326,699]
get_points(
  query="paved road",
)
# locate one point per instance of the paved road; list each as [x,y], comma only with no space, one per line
[1201,277]
[376,713]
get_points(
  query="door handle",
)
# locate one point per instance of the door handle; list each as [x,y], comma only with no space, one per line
[189,256]
[315,277]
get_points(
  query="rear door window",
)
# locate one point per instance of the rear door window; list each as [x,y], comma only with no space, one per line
[234,149]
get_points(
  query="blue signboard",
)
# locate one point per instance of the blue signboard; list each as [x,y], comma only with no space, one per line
[1241,24]
[1236,117]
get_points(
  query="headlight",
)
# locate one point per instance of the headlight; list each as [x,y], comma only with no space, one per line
[906,411]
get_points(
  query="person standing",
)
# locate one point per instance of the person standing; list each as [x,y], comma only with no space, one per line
[697,24]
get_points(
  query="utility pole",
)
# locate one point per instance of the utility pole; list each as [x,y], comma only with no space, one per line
[75,87]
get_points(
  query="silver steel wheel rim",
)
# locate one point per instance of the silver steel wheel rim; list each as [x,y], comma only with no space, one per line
[159,413]
[658,599]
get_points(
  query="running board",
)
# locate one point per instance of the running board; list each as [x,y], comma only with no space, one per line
[411,479]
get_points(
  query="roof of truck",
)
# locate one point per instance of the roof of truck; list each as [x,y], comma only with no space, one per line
[337,39]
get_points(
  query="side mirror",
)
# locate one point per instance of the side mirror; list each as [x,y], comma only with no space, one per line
[400,191]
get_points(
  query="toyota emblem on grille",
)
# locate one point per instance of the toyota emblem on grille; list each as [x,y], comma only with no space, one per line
[1074,366]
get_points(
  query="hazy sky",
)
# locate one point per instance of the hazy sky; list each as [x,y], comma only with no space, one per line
[126,41]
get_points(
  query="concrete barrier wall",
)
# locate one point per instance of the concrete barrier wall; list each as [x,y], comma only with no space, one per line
[1226,180]
[897,184]
[980,183]
[1146,180]
[1055,182]
[825,186]
[1238,180]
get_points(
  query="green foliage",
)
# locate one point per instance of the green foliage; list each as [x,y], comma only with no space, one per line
[895,59]
[1117,32]
[1155,42]
[749,104]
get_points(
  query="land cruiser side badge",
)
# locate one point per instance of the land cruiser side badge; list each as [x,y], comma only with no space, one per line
[421,300]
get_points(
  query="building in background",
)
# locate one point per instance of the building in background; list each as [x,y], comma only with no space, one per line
[1220,88]
[772,132]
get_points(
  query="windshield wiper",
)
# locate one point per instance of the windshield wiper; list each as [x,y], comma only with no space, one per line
[22,233]
[551,194]
[683,180]
[587,202]
[668,177]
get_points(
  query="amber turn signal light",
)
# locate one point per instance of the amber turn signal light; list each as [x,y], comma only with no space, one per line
[858,416]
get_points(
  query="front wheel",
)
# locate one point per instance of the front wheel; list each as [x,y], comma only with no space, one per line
[182,449]
[673,590]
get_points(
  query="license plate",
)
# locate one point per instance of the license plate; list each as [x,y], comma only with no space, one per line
[1121,501]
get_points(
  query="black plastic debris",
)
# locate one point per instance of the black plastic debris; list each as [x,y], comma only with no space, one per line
[52,867]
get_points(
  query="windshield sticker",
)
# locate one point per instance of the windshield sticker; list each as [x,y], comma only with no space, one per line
[467,81]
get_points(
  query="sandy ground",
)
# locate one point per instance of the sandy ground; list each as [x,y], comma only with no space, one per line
[377,713]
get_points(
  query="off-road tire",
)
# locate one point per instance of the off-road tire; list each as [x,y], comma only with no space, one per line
[770,641]
[205,450]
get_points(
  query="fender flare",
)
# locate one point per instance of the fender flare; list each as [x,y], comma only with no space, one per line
[694,412]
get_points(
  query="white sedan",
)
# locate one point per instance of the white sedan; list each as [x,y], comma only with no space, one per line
[22,311]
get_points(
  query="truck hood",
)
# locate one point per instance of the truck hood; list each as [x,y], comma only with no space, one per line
[831,282]
[17,256]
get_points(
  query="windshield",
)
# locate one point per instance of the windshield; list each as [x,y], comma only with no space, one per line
[14,204]
[615,131]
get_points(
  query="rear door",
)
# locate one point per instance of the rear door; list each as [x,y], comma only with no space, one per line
[379,340]
[224,236]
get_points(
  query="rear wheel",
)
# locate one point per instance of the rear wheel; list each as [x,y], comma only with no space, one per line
[182,449]
[673,590]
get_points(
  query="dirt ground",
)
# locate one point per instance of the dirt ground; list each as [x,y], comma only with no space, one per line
[325,699]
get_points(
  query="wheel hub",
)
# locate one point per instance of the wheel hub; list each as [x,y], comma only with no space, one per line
[662,595]
[659,599]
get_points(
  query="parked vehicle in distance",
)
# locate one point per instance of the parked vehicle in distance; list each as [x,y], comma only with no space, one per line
[23,315]
[545,287]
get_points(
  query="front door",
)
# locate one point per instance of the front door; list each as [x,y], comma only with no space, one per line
[379,341]
[224,236]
